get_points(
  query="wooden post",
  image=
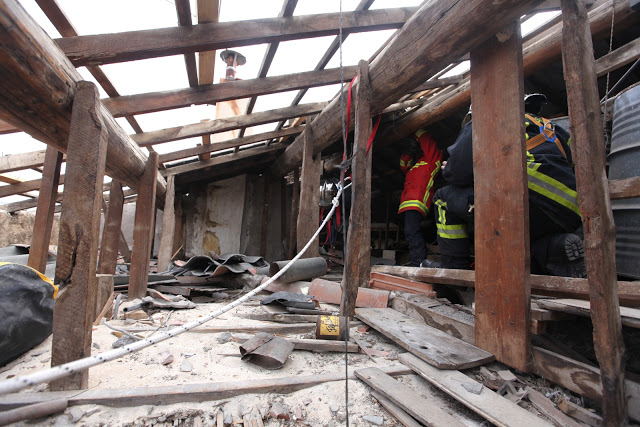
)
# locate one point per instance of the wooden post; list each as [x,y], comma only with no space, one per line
[79,233]
[308,213]
[179,237]
[593,196]
[295,206]
[168,226]
[143,229]
[103,292]
[123,247]
[358,245]
[265,216]
[112,230]
[46,208]
[501,223]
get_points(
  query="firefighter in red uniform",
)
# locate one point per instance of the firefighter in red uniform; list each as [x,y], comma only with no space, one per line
[420,161]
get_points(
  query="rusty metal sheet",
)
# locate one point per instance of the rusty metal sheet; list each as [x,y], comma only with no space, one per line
[266,350]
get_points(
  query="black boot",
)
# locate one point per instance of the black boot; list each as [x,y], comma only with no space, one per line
[565,256]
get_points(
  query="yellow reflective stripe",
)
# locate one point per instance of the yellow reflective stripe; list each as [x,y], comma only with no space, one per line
[402,163]
[414,204]
[442,212]
[430,184]
[423,163]
[553,189]
[455,231]
[42,276]
[419,133]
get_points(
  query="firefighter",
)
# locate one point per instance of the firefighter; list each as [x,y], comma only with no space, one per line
[420,161]
[554,216]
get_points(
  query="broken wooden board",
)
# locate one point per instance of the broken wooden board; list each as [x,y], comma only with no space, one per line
[488,404]
[396,283]
[402,416]
[430,344]
[548,408]
[406,398]
[629,316]
[580,413]
[167,395]
[280,317]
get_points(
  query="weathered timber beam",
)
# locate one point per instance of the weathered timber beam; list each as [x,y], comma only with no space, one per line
[23,187]
[414,55]
[222,125]
[208,11]
[39,102]
[436,83]
[32,203]
[231,143]
[618,58]
[15,162]
[624,188]
[210,94]
[628,292]
[221,160]
[134,45]
[7,128]
[183,9]
[538,52]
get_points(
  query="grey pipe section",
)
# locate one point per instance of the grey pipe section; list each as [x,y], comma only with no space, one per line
[34,411]
[302,269]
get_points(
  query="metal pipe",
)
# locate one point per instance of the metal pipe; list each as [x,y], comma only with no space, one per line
[302,269]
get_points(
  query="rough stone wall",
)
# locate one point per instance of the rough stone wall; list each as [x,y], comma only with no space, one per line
[17,228]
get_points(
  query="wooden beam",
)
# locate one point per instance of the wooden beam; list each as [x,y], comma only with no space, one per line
[6,128]
[112,230]
[229,90]
[24,186]
[618,58]
[399,70]
[502,223]
[231,143]
[40,102]
[143,230]
[183,8]
[133,45]
[597,217]
[436,83]
[624,188]
[538,52]
[308,212]
[295,205]
[208,11]
[39,251]
[628,292]
[223,125]
[264,226]
[15,162]
[168,226]
[74,311]
[358,247]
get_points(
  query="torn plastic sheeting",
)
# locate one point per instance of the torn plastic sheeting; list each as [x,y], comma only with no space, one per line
[290,299]
[266,350]
[217,265]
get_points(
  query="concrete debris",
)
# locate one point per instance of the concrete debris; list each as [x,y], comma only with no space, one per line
[334,407]
[75,414]
[472,387]
[224,338]
[341,416]
[186,366]
[188,354]
[375,420]
[122,341]
[487,374]
[95,345]
[166,357]
[279,411]
[306,401]
[507,375]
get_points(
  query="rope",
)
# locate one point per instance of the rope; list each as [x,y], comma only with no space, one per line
[16,384]
[606,90]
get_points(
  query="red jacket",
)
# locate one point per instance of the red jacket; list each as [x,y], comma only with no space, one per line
[417,194]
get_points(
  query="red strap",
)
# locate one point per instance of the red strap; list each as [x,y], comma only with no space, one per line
[349,111]
[338,217]
[328,232]
[373,133]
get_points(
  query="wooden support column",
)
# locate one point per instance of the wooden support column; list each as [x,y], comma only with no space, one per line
[143,229]
[168,226]
[593,196]
[501,223]
[295,206]
[264,228]
[74,311]
[308,213]
[46,208]
[112,230]
[180,234]
[358,254]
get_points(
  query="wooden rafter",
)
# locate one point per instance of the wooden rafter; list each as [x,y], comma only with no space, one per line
[133,45]
[183,8]
[208,12]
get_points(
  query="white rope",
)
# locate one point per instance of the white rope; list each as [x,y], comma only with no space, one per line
[16,384]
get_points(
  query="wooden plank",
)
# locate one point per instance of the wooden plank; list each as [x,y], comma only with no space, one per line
[226,124]
[624,188]
[39,251]
[15,162]
[547,407]
[436,347]
[134,45]
[208,11]
[395,283]
[581,378]
[600,234]
[447,26]
[143,230]
[628,292]
[183,8]
[166,395]
[580,413]
[112,230]
[74,311]
[629,316]
[25,186]
[406,398]
[490,405]
[229,90]
[401,415]
[6,128]
[502,223]
[618,58]
[168,226]
[323,345]
[295,206]
[308,212]
[104,292]
[39,103]
[292,328]
[358,247]
[264,226]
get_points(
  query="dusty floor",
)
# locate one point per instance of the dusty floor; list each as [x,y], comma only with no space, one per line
[214,357]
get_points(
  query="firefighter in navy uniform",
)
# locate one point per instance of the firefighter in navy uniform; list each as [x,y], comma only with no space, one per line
[554,216]
[420,162]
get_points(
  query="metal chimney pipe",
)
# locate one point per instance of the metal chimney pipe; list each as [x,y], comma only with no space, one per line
[233,59]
